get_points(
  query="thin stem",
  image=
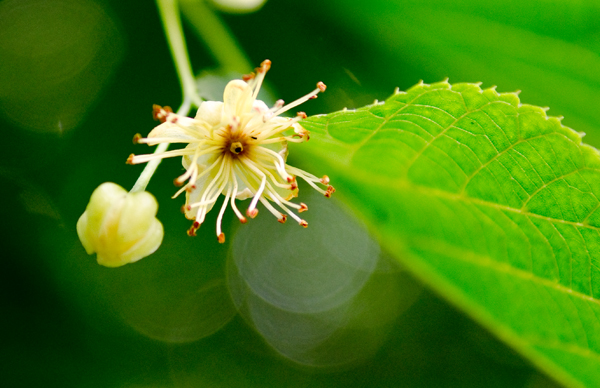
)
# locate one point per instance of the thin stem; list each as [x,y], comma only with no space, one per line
[144,179]
[220,42]
[216,35]
[169,14]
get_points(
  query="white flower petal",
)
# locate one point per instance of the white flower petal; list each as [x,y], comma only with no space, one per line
[260,106]
[280,147]
[237,99]
[210,112]
[168,130]
[196,194]
[244,194]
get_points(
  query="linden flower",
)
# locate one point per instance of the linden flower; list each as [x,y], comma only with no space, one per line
[237,148]
[118,226]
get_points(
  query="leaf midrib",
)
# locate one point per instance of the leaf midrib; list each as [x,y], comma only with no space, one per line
[478,201]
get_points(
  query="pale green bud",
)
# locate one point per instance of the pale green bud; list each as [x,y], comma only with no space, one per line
[118,226]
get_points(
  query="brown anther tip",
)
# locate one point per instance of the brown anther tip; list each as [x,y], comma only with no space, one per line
[248,77]
[130,159]
[325,180]
[283,219]
[160,113]
[243,220]
[293,186]
[291,179]
[252,213]
[183,208]
[301,115]
[330,190]
[221,238]
[136,138]
[265,65]
[312,97]
[178,181]
[156,111]
[303,207]
[196,225]
[304,224]
[192,230]
[322,87]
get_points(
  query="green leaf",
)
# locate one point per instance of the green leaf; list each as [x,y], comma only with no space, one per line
[547,49]
[490,202]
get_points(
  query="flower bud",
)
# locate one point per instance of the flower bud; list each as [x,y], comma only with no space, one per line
[118,226]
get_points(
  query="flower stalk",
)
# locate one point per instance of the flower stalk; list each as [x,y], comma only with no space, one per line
[217,37]
[171,20]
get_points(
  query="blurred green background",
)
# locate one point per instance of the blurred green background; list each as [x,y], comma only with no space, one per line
[78,79]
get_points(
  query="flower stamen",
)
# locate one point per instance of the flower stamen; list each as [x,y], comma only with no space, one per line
[220,234]
[159,113]
[320,88]
[237,148]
